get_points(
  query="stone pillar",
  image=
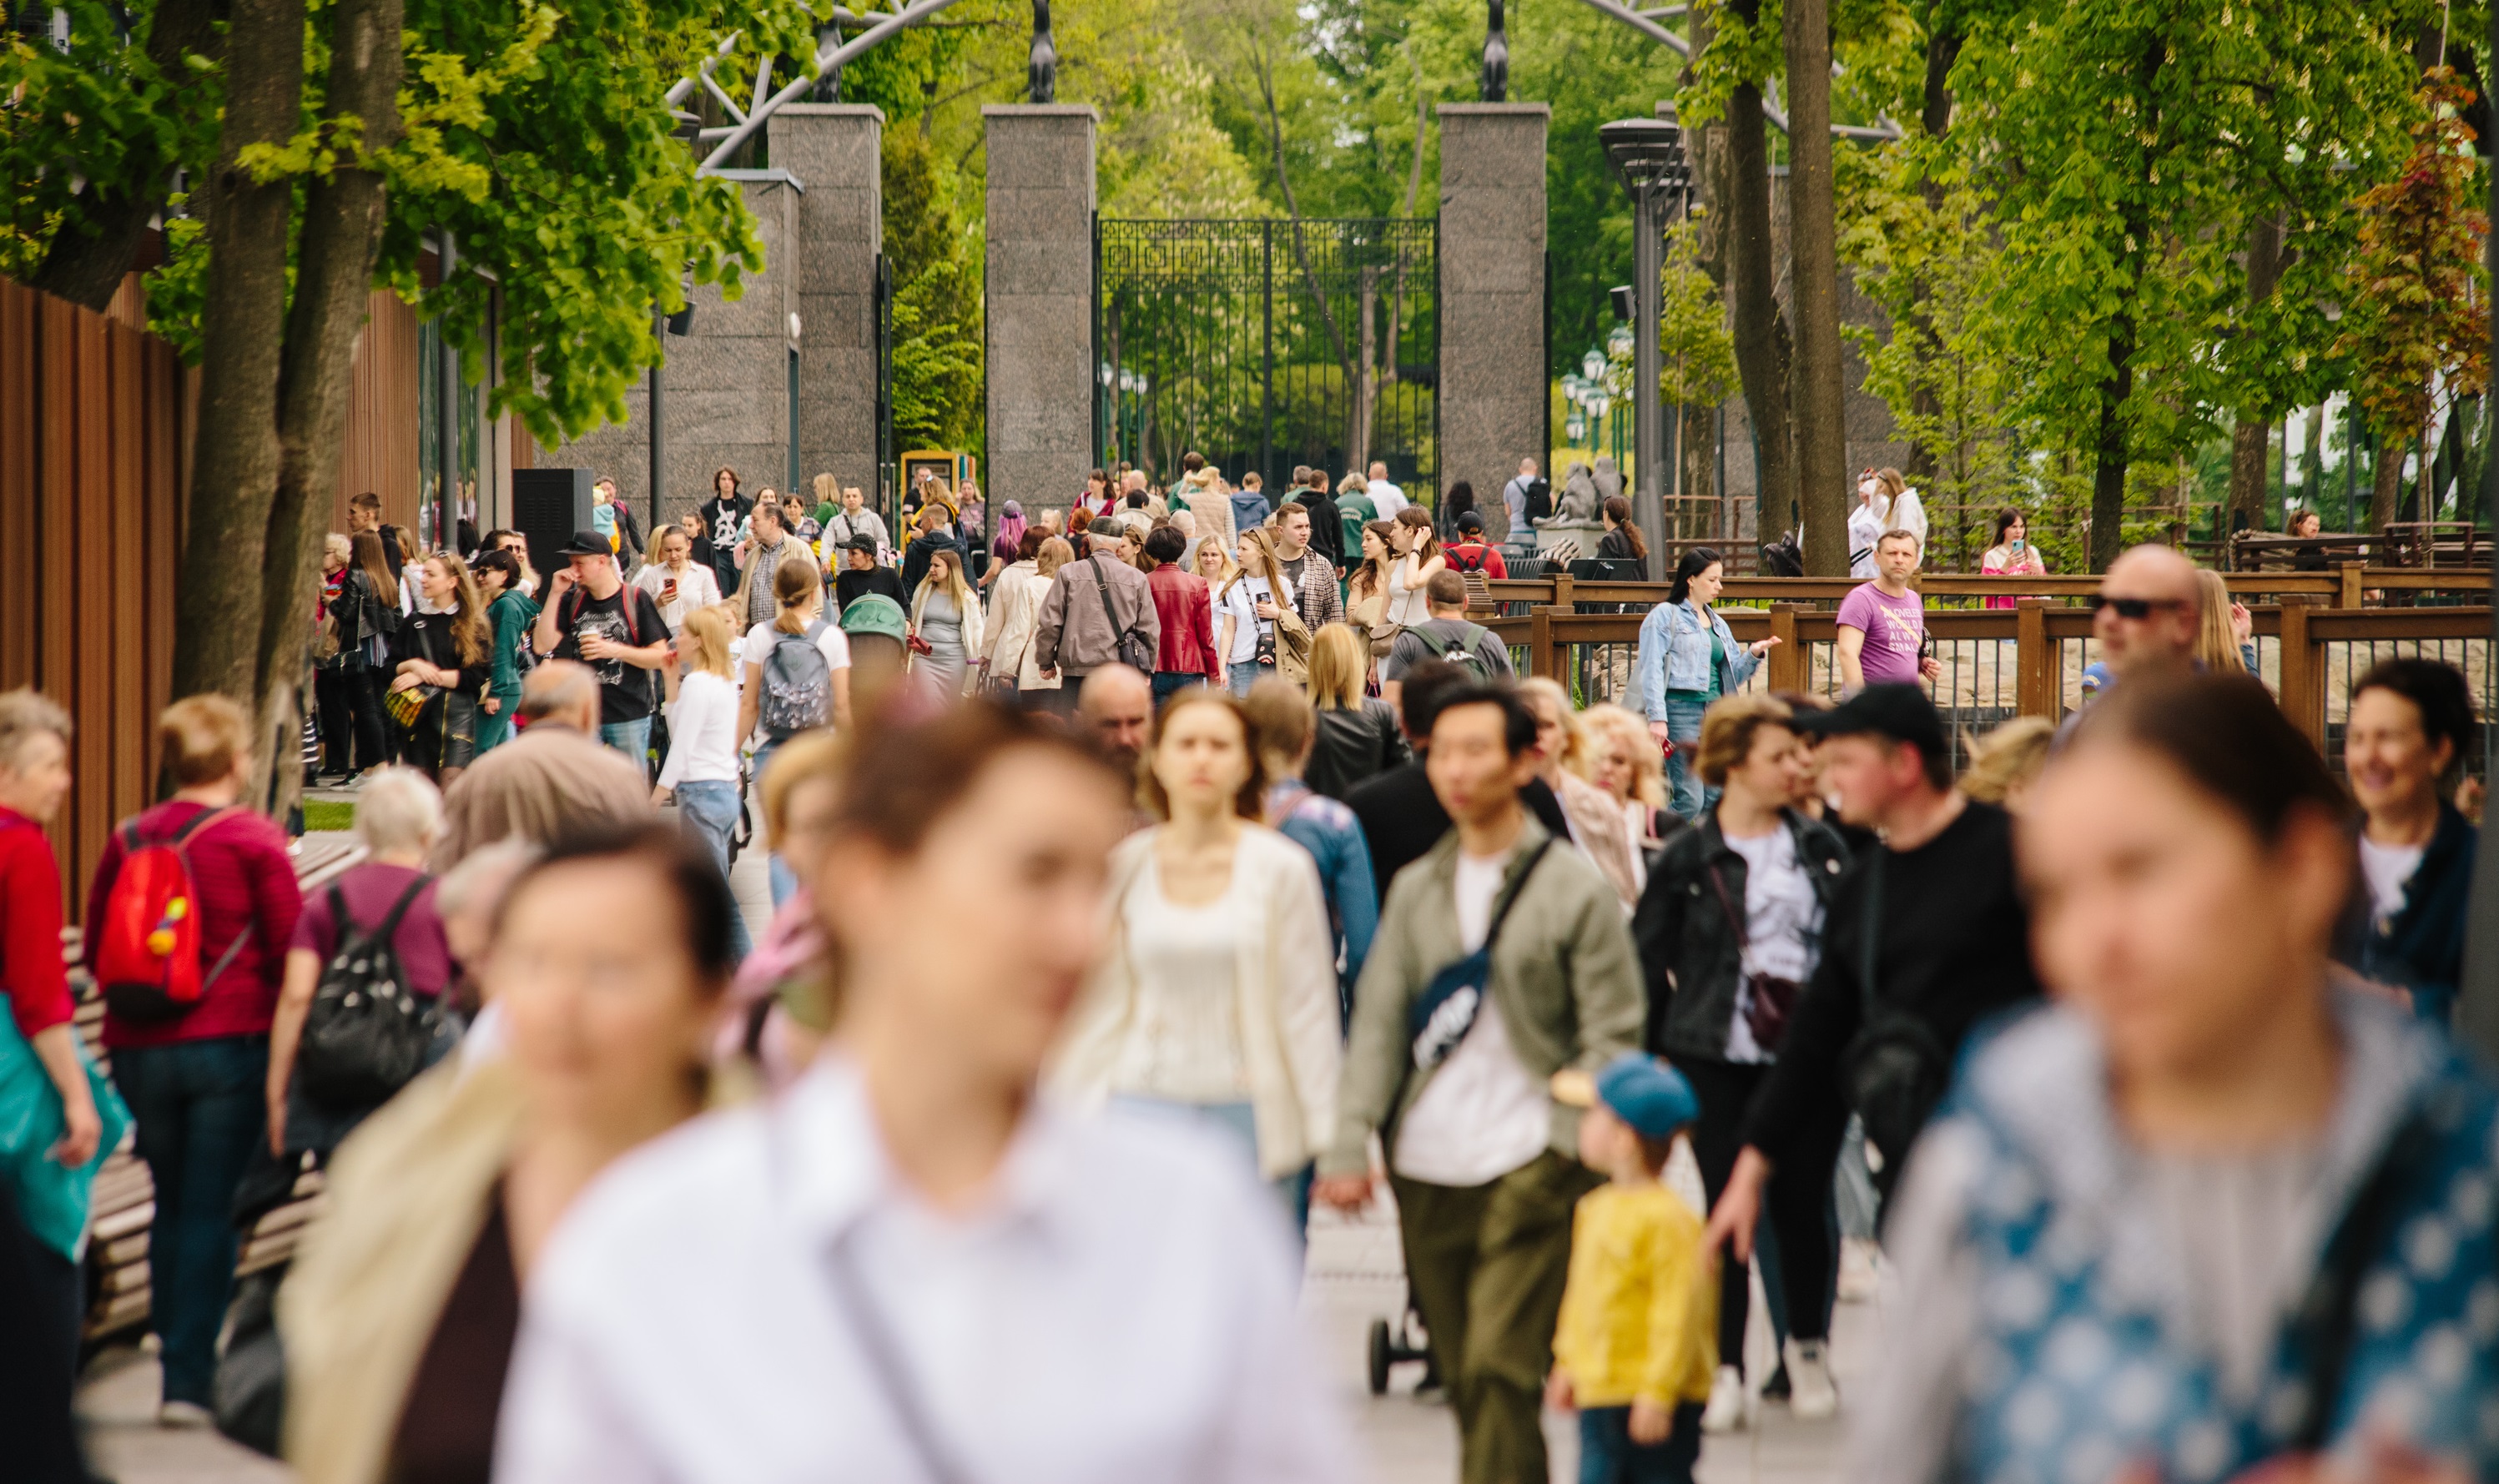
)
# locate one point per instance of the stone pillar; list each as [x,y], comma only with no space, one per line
[833,149]
[727,392]
[1492,296]
[1040,298]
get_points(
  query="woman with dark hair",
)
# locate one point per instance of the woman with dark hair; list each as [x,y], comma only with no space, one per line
[2200,1215]
[911,1264]
[1622,541]
[2409,730]
[446,647]
[606,966]
[717,528]
[512,612]
[1460,501]
[1417,557]
[2010,553]
[1688,658]
[365,617]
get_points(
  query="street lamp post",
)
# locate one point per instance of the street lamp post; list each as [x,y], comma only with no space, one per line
[1647,156]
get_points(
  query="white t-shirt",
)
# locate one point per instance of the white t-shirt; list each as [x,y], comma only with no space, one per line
[1782,923]
[694,588]
[1483,1115]
[2390,869]
[1386,498]
[1864,529]
[759,639]
[1240,600]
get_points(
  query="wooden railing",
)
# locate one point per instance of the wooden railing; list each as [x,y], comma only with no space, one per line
[2308,654]
[2349,585]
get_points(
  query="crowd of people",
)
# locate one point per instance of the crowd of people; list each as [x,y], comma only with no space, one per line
[1142,880]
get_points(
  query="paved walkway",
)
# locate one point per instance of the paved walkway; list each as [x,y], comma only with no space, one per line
[1355,1276]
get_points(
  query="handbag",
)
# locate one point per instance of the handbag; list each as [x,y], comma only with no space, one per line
[1770,1001]
[1445,1011]
[1132,649]
[407,707]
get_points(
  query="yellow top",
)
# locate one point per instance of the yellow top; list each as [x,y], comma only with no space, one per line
[1639,1316]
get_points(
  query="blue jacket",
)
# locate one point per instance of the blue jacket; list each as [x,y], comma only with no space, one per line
[1250,509]
[1334,837]
[1674,656]
[2421,947]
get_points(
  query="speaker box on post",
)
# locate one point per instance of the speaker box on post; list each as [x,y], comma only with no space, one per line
[548,505]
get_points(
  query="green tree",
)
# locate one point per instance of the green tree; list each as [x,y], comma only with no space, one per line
[937,351]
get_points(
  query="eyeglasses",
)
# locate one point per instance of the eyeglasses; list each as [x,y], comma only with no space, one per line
[2137,608]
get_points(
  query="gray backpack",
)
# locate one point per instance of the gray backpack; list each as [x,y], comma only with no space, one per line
[797,684]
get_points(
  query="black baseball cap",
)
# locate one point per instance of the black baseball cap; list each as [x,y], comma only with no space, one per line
[1470,521]
[861,541]
[1899,712]
[587,543]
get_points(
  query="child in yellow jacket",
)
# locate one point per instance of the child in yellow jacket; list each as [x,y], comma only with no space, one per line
[1636,1344]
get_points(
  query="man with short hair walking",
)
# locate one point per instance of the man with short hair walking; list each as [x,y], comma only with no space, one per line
[1316,598]
[1446,635]
[591,616]
[1386,498]
[1502,958]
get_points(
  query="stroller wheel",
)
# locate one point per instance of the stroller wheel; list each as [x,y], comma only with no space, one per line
[1380,1357]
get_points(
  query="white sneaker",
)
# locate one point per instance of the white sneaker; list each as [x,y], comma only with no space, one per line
[184,1414]
[1860,1270]
[1725,1412]
[1811,1398]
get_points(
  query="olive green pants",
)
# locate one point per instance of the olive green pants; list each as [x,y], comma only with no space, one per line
[1487,1264]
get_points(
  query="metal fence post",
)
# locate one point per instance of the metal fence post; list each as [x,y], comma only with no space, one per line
[1267,335]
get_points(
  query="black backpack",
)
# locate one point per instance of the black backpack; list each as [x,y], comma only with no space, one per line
[1540,498]
[367,1033]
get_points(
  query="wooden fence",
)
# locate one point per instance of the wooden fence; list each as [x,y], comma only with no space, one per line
[2348,585]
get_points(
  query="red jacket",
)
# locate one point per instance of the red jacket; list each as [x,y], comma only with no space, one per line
[246,886]
[31,972]
[1188,614]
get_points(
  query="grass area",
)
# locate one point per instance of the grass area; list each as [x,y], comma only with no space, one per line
[329,814]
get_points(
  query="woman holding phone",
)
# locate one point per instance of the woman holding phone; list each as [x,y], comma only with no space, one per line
[2012,554]
[678,584]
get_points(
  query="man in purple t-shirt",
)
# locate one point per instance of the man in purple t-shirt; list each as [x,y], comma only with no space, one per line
[1882,624]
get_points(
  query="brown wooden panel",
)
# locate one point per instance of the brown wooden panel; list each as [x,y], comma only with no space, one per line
[19,629]
[379,450]
[95,541]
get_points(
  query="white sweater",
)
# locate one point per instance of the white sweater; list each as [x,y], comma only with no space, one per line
[703,732]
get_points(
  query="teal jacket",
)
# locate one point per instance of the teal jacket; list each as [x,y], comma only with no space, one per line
[511,613]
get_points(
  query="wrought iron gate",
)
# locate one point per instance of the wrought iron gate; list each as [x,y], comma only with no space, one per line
[1252,342]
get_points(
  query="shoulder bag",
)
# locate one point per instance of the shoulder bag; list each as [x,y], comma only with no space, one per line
[1770,1001]
[1445,1011]
[1131,647]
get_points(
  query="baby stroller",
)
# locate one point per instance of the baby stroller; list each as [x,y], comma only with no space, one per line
[1393,1343]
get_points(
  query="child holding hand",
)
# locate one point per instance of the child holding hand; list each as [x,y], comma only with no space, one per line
[1635,1346]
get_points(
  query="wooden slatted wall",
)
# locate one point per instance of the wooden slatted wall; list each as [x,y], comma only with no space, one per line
[380,453]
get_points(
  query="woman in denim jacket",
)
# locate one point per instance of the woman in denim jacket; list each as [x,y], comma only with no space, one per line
[1689,658]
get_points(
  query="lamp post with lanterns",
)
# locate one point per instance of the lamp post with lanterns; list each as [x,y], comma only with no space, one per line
[1647,156]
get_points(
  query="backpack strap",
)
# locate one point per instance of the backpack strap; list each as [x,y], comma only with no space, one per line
[389,929]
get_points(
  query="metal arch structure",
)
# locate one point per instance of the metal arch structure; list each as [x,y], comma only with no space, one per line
[725,139]
[1645,23]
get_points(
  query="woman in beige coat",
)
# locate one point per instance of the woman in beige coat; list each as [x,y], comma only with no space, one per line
[399,1315]
[1217,993]
[1015,612]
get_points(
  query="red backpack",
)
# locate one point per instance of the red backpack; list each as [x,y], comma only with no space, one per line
[147,944]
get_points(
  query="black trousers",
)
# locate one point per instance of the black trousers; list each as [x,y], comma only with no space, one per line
[352,735]
[42,1296]
[1797,1206]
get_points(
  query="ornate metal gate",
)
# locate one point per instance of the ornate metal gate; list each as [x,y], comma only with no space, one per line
[1262,346]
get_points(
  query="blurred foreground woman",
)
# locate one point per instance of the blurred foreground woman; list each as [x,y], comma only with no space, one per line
[607,964]
[911,1267]
[2201,1214]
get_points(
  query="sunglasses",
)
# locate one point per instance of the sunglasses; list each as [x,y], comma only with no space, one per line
[2137,608]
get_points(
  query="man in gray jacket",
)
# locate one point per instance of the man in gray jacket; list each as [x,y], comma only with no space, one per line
[1452,1060]
[1090,607]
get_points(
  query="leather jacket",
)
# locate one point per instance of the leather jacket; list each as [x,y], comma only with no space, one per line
[1687,947]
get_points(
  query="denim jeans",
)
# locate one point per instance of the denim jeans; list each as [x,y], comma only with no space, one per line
[709,809]
[1245,674]
[1170,683]
[785,882]
[200,1109]
[632,738]
[1683,709]
[1608,1455]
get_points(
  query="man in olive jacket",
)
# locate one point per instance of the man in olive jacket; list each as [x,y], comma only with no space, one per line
[1482,1158]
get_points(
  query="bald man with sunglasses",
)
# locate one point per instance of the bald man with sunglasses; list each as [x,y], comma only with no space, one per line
[2144,617]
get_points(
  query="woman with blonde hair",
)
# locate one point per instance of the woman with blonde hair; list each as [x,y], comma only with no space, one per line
[1217,995]
[445,649]
[1358,736]
[703,771]
[945,624]
[1897,506]
[2226,637]
[779,694]
[1261,633]
[1623,760]
[2004,764]
[1596,824]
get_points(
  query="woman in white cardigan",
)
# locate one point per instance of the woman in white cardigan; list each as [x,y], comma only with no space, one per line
[1007,660]
[1216,993]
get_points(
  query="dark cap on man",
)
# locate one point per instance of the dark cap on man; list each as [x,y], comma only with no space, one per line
[861,541]
[1902,712]
[587,543]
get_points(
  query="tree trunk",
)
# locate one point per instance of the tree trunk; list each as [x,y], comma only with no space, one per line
[2251,439]
[2108,474]
[1813,252]
[2312,458]
[234,455]
[342,234]
[1934,116]
[2384,490]
[1761,334]
[87,267]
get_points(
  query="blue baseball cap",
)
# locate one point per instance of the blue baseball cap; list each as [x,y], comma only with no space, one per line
[1647,1094]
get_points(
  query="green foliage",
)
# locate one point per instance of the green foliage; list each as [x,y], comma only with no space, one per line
[1696,352]
[938,360]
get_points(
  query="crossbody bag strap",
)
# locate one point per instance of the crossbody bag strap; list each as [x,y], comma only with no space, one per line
[1510,899]
[887,1368]
[1110,616]
[1735,919]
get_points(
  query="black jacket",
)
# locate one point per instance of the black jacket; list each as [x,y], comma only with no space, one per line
[1327,526]
[1687,947]
[1402,818]
[850,586]
[2421,947]
[1353,745]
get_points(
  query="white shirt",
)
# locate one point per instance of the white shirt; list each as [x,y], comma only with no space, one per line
[1183,1042]
[1481,1116]
[1386,498]
[1782,922]
[1864,529]
[1240,603]
[2390,869]
[697,588]
[1119,1310]
[702,731]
